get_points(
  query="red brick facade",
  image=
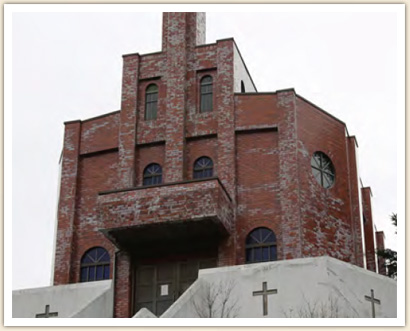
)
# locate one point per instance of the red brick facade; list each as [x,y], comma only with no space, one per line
[380,247]
[261,145]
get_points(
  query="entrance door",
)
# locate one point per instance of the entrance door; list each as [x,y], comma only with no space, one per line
[158,286]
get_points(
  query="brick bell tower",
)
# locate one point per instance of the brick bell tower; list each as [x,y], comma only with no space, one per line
[158,234]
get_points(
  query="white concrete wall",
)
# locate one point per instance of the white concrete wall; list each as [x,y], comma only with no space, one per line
[310,287]
[241,74]
[91,299]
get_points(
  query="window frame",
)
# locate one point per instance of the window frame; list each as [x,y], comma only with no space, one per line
[199,173]
[151,175]
[204,94]
[151,106]
[325,168]
[263,244]
[95,264]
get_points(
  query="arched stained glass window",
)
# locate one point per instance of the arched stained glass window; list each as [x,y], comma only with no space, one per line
[95,265]
[206,94]
[203,167]
[323,169]
[152,174]
[261,246]
[151,102]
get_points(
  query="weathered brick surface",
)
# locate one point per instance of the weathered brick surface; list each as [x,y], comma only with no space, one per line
[258,190]
[380,247]
[196,148]
[188,201]
[67,205]
[261,146]
[289,176]
[95,174]
[147,154]
[326,214]
[122,285]
[128,121]
[368,229]
[100,134]
[355,202]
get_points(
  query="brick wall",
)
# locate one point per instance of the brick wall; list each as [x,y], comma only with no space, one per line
[380,247]
[261,146]
[258,191]
[326,215]
[368,229]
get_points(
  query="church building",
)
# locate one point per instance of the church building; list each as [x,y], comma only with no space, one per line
[199,170]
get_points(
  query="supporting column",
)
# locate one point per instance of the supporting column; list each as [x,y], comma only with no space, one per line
[175,40]
[288,176]
[122,285]
[355,202]
[128,121]
[66,205]
[226,137]
[368,229]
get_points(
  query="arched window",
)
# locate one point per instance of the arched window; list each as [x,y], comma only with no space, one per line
[95,265]
[151,102]
[152,174]
[261,246]
[203,167]
[206,94]
[242,87]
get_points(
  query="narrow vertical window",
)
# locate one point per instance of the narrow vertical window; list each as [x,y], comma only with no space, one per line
[206,94]
[203,167]
[242,87]
[151,102]
[152,174]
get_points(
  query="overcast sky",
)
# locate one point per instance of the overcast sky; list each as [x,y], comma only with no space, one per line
[68,66]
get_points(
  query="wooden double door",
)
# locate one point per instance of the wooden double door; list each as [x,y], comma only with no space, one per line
[158,286]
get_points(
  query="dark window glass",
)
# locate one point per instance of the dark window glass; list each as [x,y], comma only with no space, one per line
[242,87]
[93,264]
[203,167]
[106,272]
[84,273]
[152,174]
[100,273]
[206,94]
[91,273]
[151,102]
[261,246]
[323,169]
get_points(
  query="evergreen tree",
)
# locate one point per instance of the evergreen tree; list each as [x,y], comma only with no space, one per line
[390,256]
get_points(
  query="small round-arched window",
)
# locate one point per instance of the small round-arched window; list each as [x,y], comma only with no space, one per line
[261,246]
[323,169]
[95,265]
[203,167]
[152,174]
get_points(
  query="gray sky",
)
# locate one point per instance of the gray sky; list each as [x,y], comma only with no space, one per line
[68,66]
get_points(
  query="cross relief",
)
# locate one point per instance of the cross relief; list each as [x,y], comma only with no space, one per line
[265,292]
[47,313]
[373,300]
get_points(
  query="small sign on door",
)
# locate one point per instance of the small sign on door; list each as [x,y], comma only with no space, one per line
[164,290]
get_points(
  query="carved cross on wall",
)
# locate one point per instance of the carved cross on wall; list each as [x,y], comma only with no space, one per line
[265,292]
[47,313]
[373,301]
